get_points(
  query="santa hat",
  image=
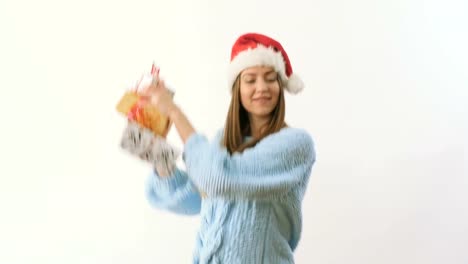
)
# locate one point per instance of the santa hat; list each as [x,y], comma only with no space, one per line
[254,49]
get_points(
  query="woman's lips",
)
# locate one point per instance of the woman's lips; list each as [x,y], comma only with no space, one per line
[261,99]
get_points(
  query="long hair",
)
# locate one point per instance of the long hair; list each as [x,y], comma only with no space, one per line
[237,125]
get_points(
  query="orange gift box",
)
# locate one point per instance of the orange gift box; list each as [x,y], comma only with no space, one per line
[145,114]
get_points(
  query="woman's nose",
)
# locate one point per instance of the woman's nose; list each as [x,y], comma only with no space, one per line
[262,85]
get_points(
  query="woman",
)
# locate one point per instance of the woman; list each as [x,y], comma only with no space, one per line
[248,184]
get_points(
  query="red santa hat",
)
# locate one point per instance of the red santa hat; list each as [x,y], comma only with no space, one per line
[254,49]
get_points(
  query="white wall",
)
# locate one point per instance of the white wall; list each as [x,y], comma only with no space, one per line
[386,102]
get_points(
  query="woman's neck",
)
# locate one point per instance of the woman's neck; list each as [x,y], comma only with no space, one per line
[257,124]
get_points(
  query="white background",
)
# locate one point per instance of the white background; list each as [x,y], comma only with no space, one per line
[385,100]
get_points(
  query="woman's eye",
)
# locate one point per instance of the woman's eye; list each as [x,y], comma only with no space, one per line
[249,81]
[271,78]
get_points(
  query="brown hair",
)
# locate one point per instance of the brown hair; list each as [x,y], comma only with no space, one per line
[237,122]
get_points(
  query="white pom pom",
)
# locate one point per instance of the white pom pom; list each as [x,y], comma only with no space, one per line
[295,84]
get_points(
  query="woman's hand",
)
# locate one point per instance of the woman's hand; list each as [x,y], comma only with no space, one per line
[158,95]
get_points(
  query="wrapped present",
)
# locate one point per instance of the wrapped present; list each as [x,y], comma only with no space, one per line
[145,114]
[142,142]
[146,130]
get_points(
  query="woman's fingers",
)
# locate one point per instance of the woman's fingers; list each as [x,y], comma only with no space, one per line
[144,99]
[148,90]
[137,84]
[153,93]
[161,85]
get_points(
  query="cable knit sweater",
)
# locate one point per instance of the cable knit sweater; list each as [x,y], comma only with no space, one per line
[250,204]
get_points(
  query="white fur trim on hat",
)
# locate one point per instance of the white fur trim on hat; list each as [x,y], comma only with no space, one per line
[263,56]
[260,56]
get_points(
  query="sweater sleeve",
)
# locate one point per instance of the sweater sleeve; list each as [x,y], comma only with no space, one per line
[175,193]
[274,166]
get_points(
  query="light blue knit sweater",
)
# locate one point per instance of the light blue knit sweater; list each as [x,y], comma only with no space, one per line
[252,210]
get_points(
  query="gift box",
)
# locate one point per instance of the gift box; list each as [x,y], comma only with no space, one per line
[144,113]
[147,128]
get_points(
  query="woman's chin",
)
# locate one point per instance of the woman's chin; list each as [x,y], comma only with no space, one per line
[262,114]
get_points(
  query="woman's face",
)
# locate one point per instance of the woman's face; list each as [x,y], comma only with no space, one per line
[259,90]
